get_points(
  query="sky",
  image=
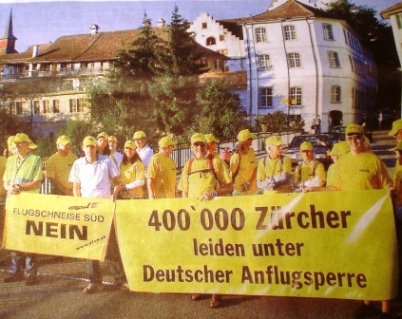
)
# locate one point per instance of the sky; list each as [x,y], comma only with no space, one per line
[43,22]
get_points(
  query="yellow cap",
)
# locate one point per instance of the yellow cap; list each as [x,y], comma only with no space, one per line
[89,141]
[211,138]
[353,128]
[397,147]
[273,141]
[102,134]
[22,137]
[245,135]
[396,126]
[32,146]
[10,142]
[63,140]
[112,138]
[339,149]
[129,144]
[166,141]
[138,135]
[306,146]
[198,137]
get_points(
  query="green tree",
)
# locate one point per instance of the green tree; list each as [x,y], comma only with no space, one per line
[218,111]
[8,126]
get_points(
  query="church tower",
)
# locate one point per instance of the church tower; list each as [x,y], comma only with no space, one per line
[7,41]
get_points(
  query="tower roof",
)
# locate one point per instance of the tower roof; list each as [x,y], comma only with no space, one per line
[8,34]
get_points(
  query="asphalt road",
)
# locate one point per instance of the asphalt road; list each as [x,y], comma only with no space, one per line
[59,294]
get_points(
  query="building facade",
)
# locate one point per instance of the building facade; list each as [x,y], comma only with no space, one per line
[308,65]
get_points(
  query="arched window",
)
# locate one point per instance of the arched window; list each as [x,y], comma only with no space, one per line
[211,41]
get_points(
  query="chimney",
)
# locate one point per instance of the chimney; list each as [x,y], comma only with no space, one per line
[35,51]
[94,29]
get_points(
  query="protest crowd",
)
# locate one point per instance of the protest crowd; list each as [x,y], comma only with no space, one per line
[136,173]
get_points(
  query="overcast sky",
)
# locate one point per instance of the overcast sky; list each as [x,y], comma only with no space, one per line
[44,22]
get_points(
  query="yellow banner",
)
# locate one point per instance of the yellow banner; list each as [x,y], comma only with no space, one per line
[58,225]
[324,244]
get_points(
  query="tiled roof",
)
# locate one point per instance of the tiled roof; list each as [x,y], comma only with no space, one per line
[233,26]
[102,46]
[288,10]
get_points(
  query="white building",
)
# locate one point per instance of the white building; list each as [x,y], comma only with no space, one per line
[307,64]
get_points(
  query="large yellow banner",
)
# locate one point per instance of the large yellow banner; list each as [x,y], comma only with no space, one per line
[58,225]
[324,244]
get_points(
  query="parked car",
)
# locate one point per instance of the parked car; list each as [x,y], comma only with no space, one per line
[321,143]
[338,134]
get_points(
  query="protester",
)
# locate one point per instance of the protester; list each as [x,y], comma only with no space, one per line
[23,174]
[3,193]
[115,155]
[338,149]
[11,150]
[275,170]
[143,149]
[243,165]
[311,172]
[59,167]
[132,174]
[92,177]
[204,177]
[102,144]
[360,170]
[161,180]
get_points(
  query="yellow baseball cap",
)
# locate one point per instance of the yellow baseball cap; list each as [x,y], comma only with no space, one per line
[397,147]
[10,142]
[63,140]
[273,141]
[211,138]
[306,146]
[339,149]
[166,141]
[129,144]
[102,134]
[353,128]
[22,137]
[245,135]
[89,141]
[198,137]
[112,138]
[138,135]
[396,126]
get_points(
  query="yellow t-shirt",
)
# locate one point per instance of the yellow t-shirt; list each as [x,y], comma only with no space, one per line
[162,169]
[58,169]
[3,161]
[243,166]
[363,171]
[331,174]
[200,178]
[308,171]
[272,167]
[130,173]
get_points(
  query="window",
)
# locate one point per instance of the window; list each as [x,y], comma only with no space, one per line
[221,37]
[204,25]
[295,96]
[56,106]
[266,97]
[399,20]
[263,62]
[36,107]
[336,94]
[333,59]
[294,60]
[73,105]
[218,65]
[352,65]
[327,29]
[290,32]
[18,107]
[46,107]
[211,41]
[260,35]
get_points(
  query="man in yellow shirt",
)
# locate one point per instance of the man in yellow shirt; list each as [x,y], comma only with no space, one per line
[275,171]
[59,166]
[243,165]
[161,180]
[311,172]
